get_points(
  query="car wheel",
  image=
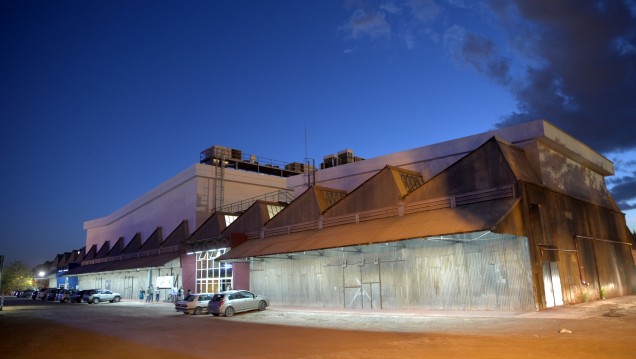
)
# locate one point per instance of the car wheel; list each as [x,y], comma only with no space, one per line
[95,300]
[215,314]
[197,311]
[116,299]
[229,311]
[262,305]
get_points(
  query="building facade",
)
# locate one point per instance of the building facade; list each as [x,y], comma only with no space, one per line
[505,226]
[513,219]
[127,250]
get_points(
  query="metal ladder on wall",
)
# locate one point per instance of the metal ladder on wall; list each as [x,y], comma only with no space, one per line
[219,182]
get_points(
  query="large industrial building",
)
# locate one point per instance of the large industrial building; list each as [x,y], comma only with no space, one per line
[513,219]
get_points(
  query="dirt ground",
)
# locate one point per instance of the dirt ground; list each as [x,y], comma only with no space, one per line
[602,329]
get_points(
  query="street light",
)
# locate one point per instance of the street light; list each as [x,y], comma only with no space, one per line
[39,279]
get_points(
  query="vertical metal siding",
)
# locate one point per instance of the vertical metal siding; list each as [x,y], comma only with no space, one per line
[484,274]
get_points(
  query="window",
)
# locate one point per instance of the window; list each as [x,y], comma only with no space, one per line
[229,219]
[273,210]
[212,276]
[411,182]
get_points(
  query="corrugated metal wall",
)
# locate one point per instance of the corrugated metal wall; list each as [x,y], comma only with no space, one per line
[588,244]
[488,273]
[129,282]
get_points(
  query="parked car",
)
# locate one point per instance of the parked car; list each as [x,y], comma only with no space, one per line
[235,301]
[51,294]
[26,293]
[101,295]
[78,297]
[65,295]
[195,303]
[40,294]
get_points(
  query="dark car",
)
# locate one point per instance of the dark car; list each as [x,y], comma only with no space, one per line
[40,294]
[78,297]
[27,293]
[65,295]
[51,294]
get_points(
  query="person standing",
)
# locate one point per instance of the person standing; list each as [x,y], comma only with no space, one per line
[174,294]
[149,294]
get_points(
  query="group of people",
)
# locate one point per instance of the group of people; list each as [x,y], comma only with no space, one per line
[149,294]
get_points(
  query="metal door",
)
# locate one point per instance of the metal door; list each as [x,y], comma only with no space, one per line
[552,284]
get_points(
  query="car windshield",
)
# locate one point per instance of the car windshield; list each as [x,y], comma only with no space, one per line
[190,298]
[217,297]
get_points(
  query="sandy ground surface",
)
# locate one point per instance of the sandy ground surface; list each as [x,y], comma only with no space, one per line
[602,329]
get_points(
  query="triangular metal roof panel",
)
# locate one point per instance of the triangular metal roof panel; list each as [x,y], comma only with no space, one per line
[59,258]
[384,189]
[91,253]
[178,235]
[482,169]
[103,251]
[307,207]
[211,228]
[77,255]
[63,260]
[117,248]
[469,218]
[154,241]
[518,161]
[126,264]
[255,217]
[134,245]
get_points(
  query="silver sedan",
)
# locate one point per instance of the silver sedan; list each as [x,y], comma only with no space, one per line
[235,301]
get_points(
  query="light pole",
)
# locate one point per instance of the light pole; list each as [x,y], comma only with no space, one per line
[40,278]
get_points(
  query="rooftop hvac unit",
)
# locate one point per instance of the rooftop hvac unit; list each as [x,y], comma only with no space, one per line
[295,167]
[221,152]
[345,156]
[329,161]
[236,154]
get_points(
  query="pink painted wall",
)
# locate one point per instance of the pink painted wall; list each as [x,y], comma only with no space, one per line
[241,275]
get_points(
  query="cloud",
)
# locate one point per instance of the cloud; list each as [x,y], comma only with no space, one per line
[580,75]
[477,50]
[580,72]
[362,24]
[424,11]
[623,190]
[407,22]
[574,65]
[391,7]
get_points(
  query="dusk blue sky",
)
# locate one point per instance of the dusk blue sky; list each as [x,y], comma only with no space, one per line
[101,101]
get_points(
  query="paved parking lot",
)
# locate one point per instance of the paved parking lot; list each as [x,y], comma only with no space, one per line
[133,328]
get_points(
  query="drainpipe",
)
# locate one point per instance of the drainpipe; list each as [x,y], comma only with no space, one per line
[578,261]
[547,247]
